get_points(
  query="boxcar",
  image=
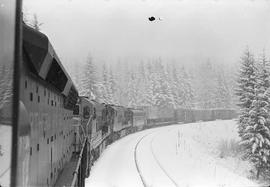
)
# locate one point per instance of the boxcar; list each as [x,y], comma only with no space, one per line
[139,119]
[157,116]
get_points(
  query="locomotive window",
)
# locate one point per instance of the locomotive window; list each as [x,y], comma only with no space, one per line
[38,99]
[76,110]
[56,76]
[86,112]
[25,84]
[37,89]
[31,96]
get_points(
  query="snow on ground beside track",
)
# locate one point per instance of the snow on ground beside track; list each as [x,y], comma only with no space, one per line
[179,155]
[187,154]
[213,134]
[5,154]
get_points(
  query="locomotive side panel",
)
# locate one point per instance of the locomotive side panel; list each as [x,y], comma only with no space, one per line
[49,110]
[51,132]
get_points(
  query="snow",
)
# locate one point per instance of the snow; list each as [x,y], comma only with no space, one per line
[178,155]
[5,154]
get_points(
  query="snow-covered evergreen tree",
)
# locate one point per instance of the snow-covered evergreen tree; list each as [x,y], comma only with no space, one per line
[177,87]
[106,93]
[222,95]
[188,93]
[205,90]
[89,79]
[162,89]
[246,89]
[132,91]
[256,135]
[113,88]
[254,95]
[150,86]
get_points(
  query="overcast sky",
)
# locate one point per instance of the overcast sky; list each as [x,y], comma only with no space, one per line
[191,30]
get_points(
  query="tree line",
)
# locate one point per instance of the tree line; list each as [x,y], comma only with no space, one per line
[156,82]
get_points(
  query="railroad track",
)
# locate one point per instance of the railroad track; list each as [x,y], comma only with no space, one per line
[136,161]
[156,160]
[160,165]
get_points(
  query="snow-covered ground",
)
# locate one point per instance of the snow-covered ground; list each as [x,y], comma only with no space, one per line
[5,154]
[178,155]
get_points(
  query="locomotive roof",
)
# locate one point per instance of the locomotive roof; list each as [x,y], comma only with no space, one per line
[136,110]
[43,58]
[97,105]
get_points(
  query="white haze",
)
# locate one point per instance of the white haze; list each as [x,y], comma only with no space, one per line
[191,30]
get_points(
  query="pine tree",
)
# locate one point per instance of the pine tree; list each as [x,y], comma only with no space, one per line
[246,89]
[222,94]
[89,79]
[132,91]
[206,85]
[162,88]
[106,88]
[188,93]
[256,136]
[113,88]
[142,85]
[151,81]
[177,87]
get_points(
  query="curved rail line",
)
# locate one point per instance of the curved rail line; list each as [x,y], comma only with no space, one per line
[160,165]
[136,160]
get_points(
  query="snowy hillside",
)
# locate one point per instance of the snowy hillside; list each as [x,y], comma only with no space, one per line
[196,154]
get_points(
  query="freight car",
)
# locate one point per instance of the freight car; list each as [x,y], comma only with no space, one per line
[194,115]
[164,116]
[139,119]
[158,116]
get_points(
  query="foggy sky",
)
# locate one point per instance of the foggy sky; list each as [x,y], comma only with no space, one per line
[191,30]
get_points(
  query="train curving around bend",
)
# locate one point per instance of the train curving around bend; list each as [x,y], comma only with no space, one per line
[61,133]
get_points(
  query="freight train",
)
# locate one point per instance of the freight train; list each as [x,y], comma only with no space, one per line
[62,134]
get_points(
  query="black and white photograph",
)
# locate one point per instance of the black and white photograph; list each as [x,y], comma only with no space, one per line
[134,93]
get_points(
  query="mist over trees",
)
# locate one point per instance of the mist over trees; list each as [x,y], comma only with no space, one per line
[156,82]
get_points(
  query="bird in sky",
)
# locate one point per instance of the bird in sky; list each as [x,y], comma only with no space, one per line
[152,18]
